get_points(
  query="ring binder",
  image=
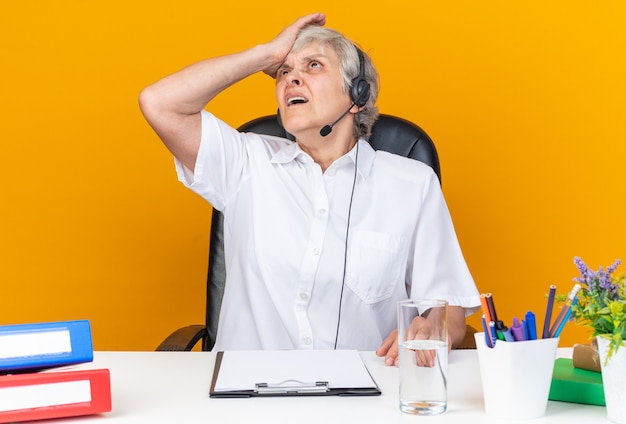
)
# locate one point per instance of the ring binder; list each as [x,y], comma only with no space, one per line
[32,347]
[292,386]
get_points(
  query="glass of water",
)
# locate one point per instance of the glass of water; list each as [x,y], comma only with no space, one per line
[423,356]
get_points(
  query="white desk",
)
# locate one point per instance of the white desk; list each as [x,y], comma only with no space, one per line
[172,387]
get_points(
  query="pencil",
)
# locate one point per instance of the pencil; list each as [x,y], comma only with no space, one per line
[492,307]
[549,307]
[568,304]
[485,307]
[567,315]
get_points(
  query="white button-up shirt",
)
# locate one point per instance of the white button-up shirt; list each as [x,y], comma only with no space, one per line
[285,229]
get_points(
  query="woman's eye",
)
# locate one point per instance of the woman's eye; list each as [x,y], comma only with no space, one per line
[315,64]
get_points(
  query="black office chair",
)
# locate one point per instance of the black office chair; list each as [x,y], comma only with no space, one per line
[389,133]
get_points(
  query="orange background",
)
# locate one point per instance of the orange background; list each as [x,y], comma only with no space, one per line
[525,101]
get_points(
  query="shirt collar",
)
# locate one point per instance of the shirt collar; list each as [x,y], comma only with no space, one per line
[292,151]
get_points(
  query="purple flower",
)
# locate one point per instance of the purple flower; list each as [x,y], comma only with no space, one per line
[599,283]
[582,268]
[602,303]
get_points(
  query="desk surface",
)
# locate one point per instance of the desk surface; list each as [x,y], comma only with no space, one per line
[172,387]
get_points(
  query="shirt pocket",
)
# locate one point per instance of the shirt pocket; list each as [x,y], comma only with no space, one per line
[375,265]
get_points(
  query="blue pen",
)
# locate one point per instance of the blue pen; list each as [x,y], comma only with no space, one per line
[531,326]
[494,335]
[487,333]
[567,315]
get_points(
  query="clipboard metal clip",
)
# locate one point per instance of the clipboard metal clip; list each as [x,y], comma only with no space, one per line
[292,386]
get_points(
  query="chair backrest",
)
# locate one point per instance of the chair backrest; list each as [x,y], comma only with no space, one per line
[390,133]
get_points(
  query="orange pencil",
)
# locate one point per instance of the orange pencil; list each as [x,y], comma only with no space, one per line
[485,307]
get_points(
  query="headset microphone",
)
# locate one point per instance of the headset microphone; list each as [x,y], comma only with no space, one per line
[328,128]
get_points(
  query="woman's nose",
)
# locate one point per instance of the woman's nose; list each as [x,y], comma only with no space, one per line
[294,78]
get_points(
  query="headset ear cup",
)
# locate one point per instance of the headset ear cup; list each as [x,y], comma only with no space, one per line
[360,92]
[359,87]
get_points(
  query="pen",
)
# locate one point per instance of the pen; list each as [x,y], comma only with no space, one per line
[517,330]
[567,315]
[487,333]
[568,304]
[546,323]
[487,316]
[492,327]
[531,326]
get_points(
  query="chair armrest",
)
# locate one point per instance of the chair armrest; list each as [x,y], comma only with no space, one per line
[184,339]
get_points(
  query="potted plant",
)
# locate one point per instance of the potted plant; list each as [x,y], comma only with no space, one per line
[601,306]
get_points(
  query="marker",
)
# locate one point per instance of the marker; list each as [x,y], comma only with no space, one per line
[503,332]
[531,326]
[508,336]
[518,331]
[525,328]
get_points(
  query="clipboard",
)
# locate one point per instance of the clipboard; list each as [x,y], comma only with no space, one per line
[266,373]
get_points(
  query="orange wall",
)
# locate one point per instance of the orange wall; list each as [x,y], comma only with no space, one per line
[524,99]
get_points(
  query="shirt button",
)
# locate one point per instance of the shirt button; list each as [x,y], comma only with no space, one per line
[321,211]
[307,341]
[304,296]
[316,251]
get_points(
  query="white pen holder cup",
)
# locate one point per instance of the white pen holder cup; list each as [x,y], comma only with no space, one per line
[516,376]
